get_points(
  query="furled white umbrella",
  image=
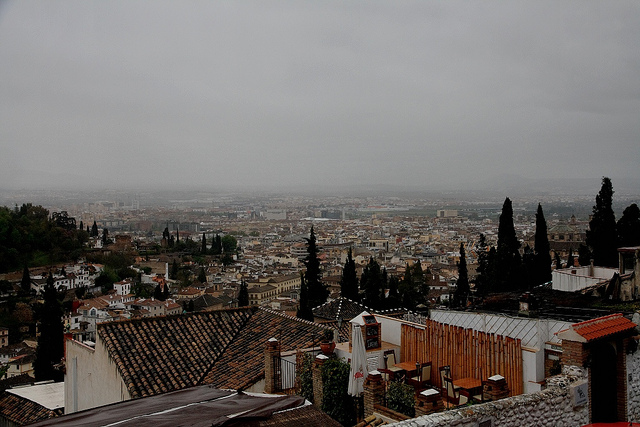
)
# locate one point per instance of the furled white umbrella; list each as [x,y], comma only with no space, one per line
[358,372]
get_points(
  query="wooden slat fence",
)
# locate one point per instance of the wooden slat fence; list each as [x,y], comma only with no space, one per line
[469,353]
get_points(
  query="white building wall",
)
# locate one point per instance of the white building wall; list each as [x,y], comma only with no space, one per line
[574,279]
[91,379]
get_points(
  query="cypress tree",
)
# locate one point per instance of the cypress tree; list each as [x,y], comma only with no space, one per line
[508,260]
[204,244]
[173,274]
[584,255]
[371,283]
[50,349]
[393,300]
[570,261]
[601,235]
[529,267]
[482,279]
[558,261]
[462,286]
[349,279]
[304,308]
[628,227]
[202,275]
[317,291]
[542,250]
[243,295]
[25,283]
[94,230]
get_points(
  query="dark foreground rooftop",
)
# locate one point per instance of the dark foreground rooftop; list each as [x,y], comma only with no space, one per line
[201,406]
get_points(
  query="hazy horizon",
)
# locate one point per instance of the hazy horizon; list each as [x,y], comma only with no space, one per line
[328,96]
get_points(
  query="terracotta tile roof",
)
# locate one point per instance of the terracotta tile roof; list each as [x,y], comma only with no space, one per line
[223,347]
[160,354]
[340,309]
[346,309]
[242,363]
[309,416]
[597,328]
[23,411]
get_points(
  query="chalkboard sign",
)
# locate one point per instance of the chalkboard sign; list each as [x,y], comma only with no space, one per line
[372,336]
[372,343]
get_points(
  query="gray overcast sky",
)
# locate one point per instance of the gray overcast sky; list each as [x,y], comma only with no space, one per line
[273,93]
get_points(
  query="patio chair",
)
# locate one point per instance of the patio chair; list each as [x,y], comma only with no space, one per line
[390,371]
[423,377]
[454,396]
[445,372]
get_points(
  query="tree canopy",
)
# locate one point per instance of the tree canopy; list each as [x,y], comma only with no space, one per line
[628,227]
[508,261]
[50,349]
[349,279]
[28,236]
[462,286]
[601,235]
[317,290]
[542,250]
[243,295]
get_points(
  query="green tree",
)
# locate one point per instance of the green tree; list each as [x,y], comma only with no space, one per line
[558,261]
[229,243]
[317,290]
[202,275]
[401,398]
[482,277]
[584,255]
[542,250]
[628,227]
[158,293]
[94,230]
[461,294]
[601,235]
[50,349]
[304,307]
[413,287]
[336,402]
[204,244]
[349,279]
[570,261]
[508,262]
[25,283]
[371,284]
[216,245]
[393,301]
[173,274]
[243,295]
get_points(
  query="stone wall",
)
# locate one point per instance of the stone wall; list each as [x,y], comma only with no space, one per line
[552,407]
[633,386]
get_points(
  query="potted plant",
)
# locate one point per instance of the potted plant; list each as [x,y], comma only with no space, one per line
[327,345]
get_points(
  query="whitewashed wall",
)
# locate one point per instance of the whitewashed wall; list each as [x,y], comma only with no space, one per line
[91,379]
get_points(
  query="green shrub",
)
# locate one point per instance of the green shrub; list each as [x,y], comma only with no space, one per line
[336,402]
[305,377]
[400,398]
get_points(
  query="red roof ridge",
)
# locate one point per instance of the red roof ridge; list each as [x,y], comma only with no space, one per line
[594,329]
[598,320]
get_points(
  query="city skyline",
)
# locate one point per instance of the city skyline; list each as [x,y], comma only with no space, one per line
[324,96]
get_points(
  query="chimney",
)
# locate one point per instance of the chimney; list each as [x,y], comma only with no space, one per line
[271,358]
